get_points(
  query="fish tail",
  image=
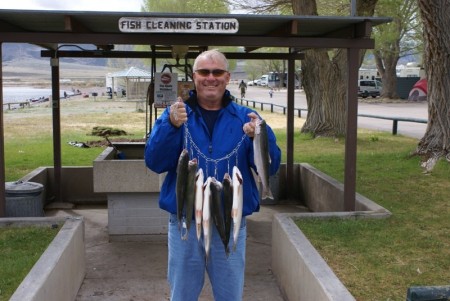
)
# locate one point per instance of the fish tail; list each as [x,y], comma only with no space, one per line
[267,194]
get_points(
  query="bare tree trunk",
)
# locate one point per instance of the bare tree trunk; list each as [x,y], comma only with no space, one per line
[389,37]
[436,141]
[324,78]
[325,90]
[388,72]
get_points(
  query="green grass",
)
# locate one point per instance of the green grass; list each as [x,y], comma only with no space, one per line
[20,248]
[380,259]
[22,157]
[29,141]
[375,259]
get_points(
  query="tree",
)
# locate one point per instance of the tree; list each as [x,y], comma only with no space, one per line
[186,6]
[324,79]
[395,39]
[324,73]
[435,143]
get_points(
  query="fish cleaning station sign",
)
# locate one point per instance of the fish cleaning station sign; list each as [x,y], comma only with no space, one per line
[179,25]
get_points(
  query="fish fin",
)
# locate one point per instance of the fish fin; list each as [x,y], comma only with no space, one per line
[259,179]
[184,227]
[199,231]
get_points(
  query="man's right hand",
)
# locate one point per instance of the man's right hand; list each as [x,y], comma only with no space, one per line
[178,114]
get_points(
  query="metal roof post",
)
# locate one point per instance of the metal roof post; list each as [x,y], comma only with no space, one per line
[2,145]
[290,129]
[54,63]
[352,127]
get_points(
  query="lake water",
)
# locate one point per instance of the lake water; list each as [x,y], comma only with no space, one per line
[16,94]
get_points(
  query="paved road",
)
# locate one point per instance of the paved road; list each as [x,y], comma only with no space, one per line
[407,110]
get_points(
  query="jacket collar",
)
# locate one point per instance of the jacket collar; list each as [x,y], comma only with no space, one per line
[192,101]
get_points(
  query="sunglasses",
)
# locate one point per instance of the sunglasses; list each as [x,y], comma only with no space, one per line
[214,72]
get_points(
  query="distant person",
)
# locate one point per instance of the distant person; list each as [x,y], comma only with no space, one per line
[271,92]
[243,88]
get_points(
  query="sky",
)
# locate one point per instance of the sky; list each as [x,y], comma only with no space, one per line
[77,5]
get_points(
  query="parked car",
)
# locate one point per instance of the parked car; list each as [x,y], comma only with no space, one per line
[368,87]
[253,82]
[264,80]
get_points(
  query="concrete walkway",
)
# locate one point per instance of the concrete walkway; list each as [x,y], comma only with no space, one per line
[136,271]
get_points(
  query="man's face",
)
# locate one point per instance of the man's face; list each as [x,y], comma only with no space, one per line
[210,81]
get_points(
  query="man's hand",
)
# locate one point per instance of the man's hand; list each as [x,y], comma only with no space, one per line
[178,114]
[249,127]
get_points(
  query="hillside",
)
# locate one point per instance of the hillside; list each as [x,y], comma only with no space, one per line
[23,65]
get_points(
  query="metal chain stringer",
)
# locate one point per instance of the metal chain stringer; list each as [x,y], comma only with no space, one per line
[206,158]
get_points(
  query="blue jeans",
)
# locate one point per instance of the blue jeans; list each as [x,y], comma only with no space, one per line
[187,265]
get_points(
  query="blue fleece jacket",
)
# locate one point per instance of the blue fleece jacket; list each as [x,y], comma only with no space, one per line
[217,154]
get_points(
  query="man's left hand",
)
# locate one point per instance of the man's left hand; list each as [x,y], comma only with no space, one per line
[249,127]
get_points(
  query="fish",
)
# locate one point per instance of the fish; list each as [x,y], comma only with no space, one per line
[206,217]
[238,202]
[217,210]
[262,157]
[189,199]
[227,189]
[199,178]
[182,174]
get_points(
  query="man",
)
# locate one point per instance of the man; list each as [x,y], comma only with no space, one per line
[243,88]
[219,133]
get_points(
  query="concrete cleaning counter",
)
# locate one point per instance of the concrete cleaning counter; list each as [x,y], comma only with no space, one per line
[132,192]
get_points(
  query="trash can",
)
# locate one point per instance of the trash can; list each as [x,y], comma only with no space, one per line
[24,199]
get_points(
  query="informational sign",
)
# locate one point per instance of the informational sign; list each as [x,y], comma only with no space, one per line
[166,89]
[179,25]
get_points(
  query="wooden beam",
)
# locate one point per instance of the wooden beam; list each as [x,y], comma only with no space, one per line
[180,39]
[71,24]
[288,29]
[167,54]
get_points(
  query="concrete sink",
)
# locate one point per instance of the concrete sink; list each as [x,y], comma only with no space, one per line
[132,191]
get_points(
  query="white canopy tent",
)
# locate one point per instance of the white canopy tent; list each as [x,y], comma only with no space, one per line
[134,81]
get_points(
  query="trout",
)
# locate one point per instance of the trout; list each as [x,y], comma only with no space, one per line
[189,199]
[216,209]
[228,205]
[199,201]
[238,202]
[262,157]
[206,214]
[182,174]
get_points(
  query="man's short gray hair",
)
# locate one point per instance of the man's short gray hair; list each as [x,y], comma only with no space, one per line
[214,55]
